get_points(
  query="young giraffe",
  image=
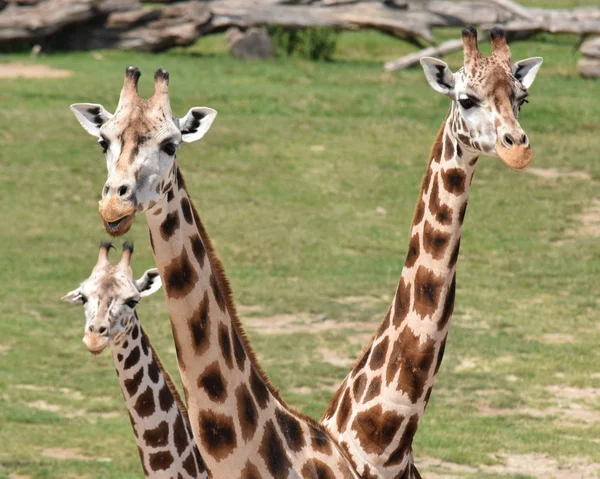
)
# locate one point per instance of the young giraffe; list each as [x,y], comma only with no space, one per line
[159,418]
[242,427]
[376,412]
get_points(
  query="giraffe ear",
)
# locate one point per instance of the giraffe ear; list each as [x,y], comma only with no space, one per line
[73,297]
[91,116]
[149,283]
[196,123]
[526,70]
[438,75]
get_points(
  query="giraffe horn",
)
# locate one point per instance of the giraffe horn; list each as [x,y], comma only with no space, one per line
[161,85]
[500,48]
[127,252]
[470,48]
[105,247]
[130,85]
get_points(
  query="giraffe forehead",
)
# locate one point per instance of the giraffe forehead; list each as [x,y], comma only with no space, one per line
[140,119]
[108,281]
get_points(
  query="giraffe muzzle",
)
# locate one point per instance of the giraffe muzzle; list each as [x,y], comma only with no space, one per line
[117,216]
[119,227]
[517,157]
[95,342]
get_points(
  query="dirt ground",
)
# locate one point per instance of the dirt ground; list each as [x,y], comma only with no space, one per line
[23,70]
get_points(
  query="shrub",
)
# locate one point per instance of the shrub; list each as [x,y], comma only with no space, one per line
[312,43]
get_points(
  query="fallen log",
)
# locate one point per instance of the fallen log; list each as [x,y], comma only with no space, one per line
[579,21]
[413,59]
[145,30]
[180,24]
[589,67]
[591,48]
[32,23]
[404,24]
[514,8]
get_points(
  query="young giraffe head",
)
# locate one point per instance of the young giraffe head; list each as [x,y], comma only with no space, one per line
[139,142]
[109,297]
[487,94]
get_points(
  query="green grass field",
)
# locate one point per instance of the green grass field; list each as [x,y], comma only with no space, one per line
[287,182]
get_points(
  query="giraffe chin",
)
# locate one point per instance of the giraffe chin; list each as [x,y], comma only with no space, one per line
[120,226]
[518,158]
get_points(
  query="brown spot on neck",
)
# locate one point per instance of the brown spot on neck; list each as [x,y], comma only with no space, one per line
[247,412]
[217,434]
[273,453]
[375,429]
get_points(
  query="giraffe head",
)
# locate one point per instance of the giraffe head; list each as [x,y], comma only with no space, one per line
[109,297]
[139,142]
[487,94]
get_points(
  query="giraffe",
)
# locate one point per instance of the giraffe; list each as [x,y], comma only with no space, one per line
[158,416]
[375,413]
[241,425]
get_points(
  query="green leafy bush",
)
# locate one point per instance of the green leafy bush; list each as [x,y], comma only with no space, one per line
[312,43]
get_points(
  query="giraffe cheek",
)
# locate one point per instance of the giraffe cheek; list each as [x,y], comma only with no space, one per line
[487,138]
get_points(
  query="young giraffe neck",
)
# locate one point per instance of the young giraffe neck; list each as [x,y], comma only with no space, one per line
[241,425]
[158,417]
[376,412]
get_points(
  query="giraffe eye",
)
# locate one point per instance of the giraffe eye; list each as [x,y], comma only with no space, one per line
[466,103]
[103,144]
[132,303]
[169,148]
[83,299]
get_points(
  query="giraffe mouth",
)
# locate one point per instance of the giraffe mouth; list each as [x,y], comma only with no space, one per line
[95,343]
[120,226]
[517,158]
[97,351]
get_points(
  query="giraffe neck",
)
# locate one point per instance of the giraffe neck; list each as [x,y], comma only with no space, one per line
[376,412]
[158,417]
[238,420]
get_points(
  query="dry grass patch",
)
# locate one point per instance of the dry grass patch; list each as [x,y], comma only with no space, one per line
[71,454]
[358,300]
[23,70]
[572,416]
[571,393]
[555,338]
[70,393]
[472,364]
[310,324]
[333,357]
[555,173]
[573,407]
[70,412]
[589,221]
[540,466]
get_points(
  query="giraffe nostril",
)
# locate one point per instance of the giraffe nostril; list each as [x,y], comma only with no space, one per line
[105,190]
[524,139]
[123,190]
[508,140]
[102,330]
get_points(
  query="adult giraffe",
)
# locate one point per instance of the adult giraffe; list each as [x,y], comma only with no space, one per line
[375,413]
[158,416]
[242,427]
